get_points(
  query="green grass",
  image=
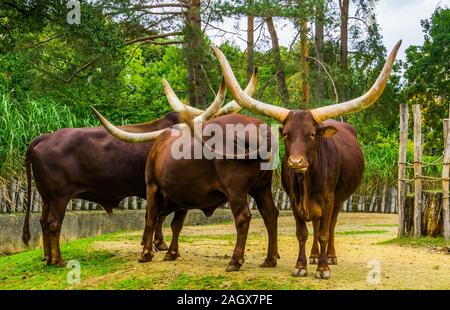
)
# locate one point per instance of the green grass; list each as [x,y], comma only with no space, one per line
[381,225]
[226,281]
[419,242]
[361,232]
[25,270]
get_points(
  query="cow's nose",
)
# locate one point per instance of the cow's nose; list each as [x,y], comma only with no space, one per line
[297,163]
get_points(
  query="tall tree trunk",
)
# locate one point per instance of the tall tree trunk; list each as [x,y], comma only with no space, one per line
[319,87]
[304,61]
[344,7]
[195,54]
[250,42]
[277,60]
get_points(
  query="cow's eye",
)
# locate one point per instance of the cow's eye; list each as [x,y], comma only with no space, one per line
[312,135]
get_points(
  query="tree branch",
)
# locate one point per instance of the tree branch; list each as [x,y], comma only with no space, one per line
[86,65]
[42,42]
[329,75]
[153,37]
[360,19]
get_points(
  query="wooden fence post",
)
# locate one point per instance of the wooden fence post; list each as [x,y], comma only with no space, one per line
[403,148]
[383,199]
[417,170]
[445,181]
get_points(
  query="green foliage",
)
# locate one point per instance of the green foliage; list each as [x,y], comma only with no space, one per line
[21,122]
[427,77]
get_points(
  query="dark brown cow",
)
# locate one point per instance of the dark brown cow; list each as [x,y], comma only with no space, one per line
[323,163]
[180,184]
[89,163]
[85,163]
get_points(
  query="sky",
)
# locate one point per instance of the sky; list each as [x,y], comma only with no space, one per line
[398,19]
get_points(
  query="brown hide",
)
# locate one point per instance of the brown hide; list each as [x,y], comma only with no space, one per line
[336,165]
[207,184]
[86,163]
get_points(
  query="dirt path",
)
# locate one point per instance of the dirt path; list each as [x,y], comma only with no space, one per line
[205,251]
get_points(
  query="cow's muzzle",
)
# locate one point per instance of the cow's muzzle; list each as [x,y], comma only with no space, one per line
[298,164]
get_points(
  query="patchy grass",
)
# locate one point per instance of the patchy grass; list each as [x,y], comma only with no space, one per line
[26,270]
[381,225]
[361,232]
[110,261]
[419,242]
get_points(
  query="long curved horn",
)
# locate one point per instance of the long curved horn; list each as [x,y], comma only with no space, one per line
[176,104]
[216,105]
[363,102]
[233,106]
[209,113]
[125,135]
[230,107]
[244,99]
[149,136]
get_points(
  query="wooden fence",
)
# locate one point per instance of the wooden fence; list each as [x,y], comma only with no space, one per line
[13,199]
[426,214]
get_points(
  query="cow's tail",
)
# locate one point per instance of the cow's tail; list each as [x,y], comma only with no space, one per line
[26,225]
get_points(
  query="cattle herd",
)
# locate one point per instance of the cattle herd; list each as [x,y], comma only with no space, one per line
[322,166]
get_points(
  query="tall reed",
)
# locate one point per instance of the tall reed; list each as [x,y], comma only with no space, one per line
[22,121]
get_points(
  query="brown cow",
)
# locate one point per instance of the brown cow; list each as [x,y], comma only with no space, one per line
[323,163]
[88,163]
[180,184]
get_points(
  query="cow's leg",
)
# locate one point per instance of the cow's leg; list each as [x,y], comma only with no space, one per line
[56,213]
[323,270]
[302,235]
[151,222]
[314,256]
[45,231]
[159,243]
[242,216]
[176,225]
[331,251]
[269,213]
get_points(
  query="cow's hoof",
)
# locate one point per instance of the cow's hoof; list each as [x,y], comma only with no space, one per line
[146,257]
[269,264]
[332,260]
[57,263]
[313,260]
[323,274]
[231,268]
[161,246]
[170,256]
[299,272]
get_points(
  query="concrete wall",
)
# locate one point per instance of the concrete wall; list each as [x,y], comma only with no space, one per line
[79,224]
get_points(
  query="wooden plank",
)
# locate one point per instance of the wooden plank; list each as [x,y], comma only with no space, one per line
[401,183]
[383,199]
[445,181]
[372,201]
[417,170]
[393,200]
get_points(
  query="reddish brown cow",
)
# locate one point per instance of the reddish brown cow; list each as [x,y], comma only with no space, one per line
[323,163]
[180,184]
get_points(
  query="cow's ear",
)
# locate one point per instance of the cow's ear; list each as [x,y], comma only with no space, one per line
[327,131]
